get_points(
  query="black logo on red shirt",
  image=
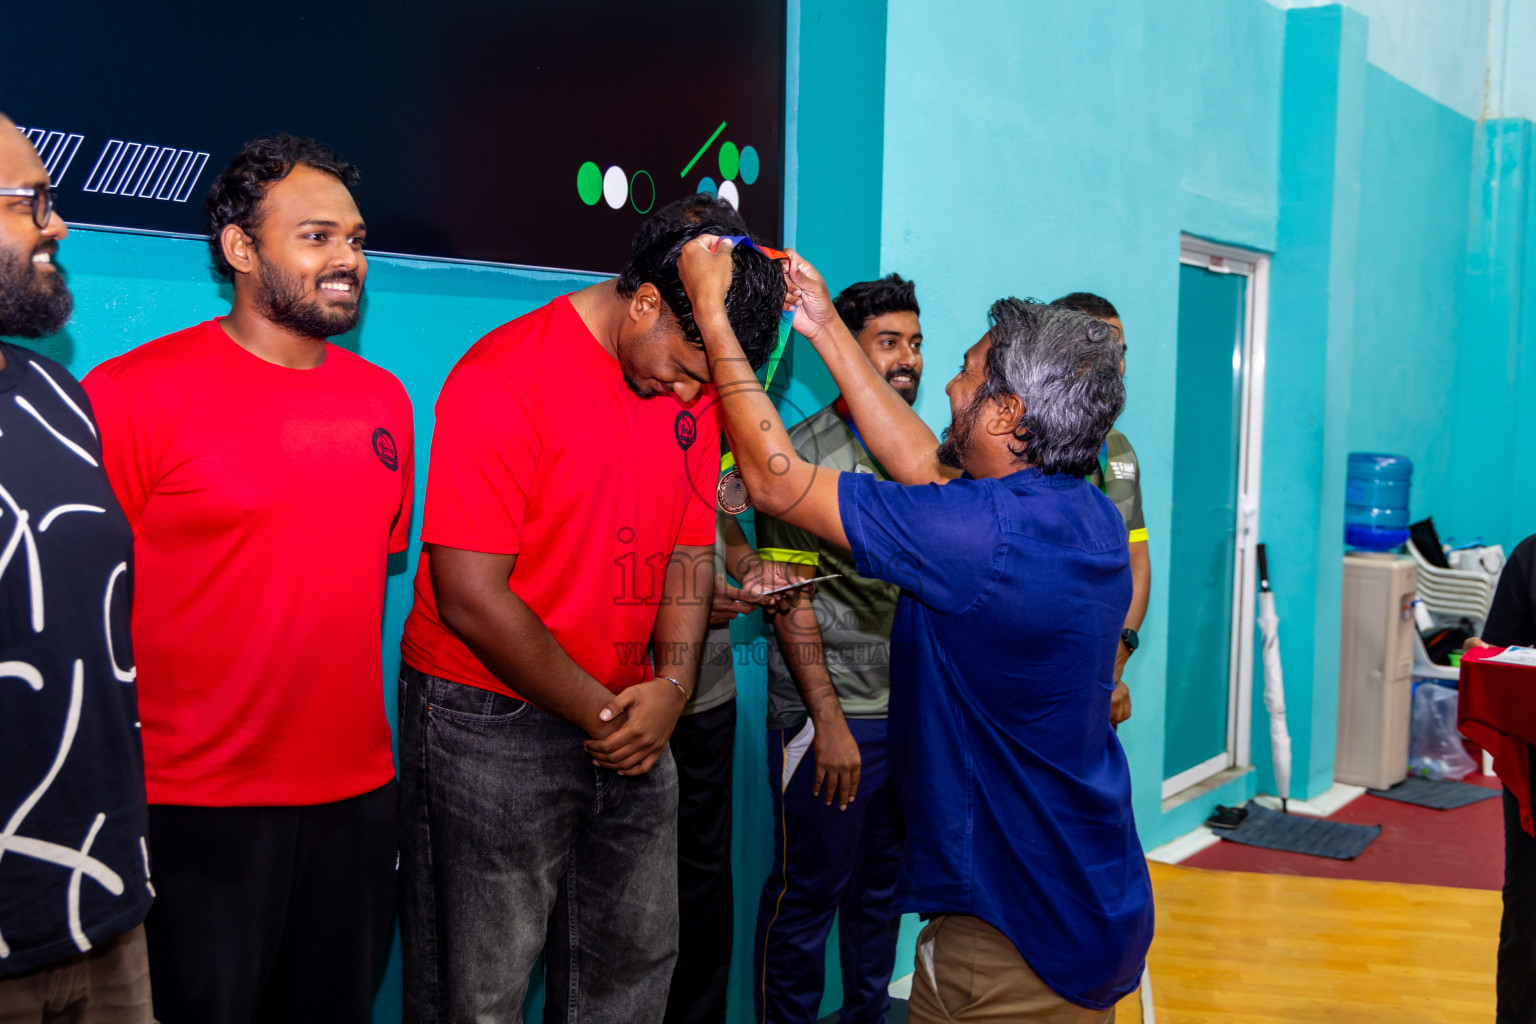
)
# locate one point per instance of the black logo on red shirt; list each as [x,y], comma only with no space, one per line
[686,429]
[384,448]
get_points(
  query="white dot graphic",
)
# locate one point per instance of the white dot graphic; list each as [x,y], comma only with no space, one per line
[615,186]
[729,194]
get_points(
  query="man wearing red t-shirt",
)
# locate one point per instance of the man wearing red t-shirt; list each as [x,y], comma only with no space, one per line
[561,599]
[267,477]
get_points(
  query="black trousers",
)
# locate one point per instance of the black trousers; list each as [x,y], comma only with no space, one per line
[271,913]
[1517,932]
[703,746]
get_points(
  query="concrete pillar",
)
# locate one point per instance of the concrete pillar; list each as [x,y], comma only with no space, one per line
[1308,375]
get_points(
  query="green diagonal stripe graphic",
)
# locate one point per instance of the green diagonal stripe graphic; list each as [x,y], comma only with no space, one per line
[702,150]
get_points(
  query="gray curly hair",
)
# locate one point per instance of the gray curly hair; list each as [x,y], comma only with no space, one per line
[1065,368]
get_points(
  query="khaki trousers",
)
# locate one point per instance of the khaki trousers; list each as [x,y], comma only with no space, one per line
[108,985]
[968,971]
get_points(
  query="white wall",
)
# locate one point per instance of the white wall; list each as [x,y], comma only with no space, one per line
[1512,60]
[1477,57]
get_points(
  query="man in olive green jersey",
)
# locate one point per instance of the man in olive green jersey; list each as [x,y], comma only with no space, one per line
[1119,477]
[828,683]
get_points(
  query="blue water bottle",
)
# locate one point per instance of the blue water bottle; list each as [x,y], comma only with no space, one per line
[1376,501]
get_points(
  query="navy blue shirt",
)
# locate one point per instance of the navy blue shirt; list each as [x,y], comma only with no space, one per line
[1015,788]
[74,864]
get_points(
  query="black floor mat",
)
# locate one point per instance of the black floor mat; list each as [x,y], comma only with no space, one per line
[1440,794]
[898,1014]
[1298,833]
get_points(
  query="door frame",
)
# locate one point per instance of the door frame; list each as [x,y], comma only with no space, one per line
[1227,259]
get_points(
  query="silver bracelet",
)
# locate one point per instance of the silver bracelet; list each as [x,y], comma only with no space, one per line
[680,687]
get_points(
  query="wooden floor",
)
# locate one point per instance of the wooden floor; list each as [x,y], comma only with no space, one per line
[1252,948]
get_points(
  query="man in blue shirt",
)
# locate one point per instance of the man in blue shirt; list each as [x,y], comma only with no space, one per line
[1021,847]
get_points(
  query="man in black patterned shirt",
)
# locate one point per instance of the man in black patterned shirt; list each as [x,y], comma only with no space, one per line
[74,866]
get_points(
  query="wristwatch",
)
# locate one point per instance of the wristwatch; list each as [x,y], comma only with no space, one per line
[1130,639]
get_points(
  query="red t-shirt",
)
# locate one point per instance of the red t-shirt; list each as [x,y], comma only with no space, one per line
[264,503]
[542,451]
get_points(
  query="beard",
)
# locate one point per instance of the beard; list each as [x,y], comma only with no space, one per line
[630,348]
[958,437]
[907,392]
[640,390]
[33,302]
[281,299]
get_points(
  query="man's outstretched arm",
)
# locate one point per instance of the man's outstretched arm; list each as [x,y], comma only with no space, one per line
[781,483]
[896,435]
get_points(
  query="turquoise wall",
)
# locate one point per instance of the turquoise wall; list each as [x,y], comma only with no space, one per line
[1496,365]
[836,99]
[1308,374]
[1414,210]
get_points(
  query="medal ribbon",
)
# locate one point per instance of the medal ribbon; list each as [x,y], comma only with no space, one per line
[860,438]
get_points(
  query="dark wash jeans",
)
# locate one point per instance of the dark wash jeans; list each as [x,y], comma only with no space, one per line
[513,843]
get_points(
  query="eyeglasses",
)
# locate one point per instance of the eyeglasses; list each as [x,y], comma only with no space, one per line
[42,202]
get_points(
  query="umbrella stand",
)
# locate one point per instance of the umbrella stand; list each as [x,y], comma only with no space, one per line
[1274,684]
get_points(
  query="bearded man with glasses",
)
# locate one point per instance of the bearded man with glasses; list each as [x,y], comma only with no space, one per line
[74,885]
[267,476]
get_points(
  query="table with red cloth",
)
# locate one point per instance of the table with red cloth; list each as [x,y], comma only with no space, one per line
[1497,711]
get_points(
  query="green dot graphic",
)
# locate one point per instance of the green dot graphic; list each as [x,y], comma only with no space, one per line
[589,183]
[730,160]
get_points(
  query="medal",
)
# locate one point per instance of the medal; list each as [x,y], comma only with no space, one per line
[731,493]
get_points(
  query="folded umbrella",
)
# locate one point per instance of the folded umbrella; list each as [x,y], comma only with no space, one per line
[1274,683]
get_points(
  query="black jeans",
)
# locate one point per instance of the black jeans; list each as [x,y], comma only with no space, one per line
[704,746]
[514,843]
[272,913]
[1517,933]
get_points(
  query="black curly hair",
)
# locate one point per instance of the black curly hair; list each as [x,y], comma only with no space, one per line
[860,303]
[756,296]
[236,194]
[695,208]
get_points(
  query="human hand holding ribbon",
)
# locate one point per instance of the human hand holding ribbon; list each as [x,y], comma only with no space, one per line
[731,494]
[787,320]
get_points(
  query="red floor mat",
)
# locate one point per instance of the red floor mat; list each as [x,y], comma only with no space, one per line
[1463,848]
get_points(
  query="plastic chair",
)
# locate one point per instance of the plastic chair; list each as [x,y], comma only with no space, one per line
[1423,668]
[1453,593]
